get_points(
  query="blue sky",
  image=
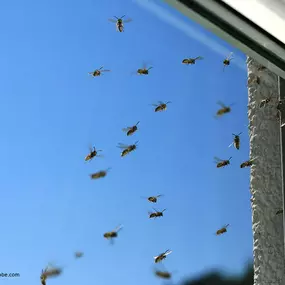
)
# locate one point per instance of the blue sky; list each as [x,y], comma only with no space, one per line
[51,111]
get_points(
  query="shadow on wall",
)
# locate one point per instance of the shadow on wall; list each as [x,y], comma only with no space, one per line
[217,278]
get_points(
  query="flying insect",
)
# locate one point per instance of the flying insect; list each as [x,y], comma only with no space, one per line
[131,130]
[144,70]
[156,214]
[228,60]
[191,60]
[163,274]
[93,152]
[236,142]
[222,230]
[152,199]
[248,163]
[222,163]
[120,23]
[127,148]
[99,174]
[98,72]
[265,101]
[162,256]
[279,212]
[78,254]
[49,272]
[161,106]
[224,110]
[113,234]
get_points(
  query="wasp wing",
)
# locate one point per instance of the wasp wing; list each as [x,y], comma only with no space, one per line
[218,159]
[167,252]
[121,145]
[112,20]
[221,104]
[105,70]
[230,55]
[199,58]
[126,129]
[127,21]
[118,228]
[231,144]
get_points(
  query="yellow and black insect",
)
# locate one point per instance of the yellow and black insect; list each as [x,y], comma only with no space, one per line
[113,234]
[191,60]
[78,254]
[163,274]
[93,152]
[224,110]
[265,101]
[152,199]
[127,148]
[156,214]
[279,212]
[50,271]
[99,174]
[236,142]
[222,230]
[98,72]
[248,163]
[131,130]
[161,256]
[144,70]
[161,106]
[222,163]
[120,23]
[228,60]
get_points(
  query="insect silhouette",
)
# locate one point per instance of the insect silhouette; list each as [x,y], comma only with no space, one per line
[163,274]
[127,148]
[224,110]
[253,79]
[144,70]
[78,254]
[279,212]
[222,230]
[93,152]
[228,60]
[265,101]
[152,199]
[156,214]
[120,23]
[98,72]
[99,174]
[162,256]
[236,142]
[113,234]
[49,272]
[191,60]
[161,106]
[222,163]
[248,163]
[131,130]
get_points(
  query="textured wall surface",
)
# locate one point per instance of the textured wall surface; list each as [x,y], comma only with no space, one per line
[265,181]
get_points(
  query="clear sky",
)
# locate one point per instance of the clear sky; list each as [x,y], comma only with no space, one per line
[51,111]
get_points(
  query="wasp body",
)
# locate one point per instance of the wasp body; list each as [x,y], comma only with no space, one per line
[127,148]
[93,152]
[162,256]
[236,142]
[49,272]
[161,106]
[78,254]
[222,230]
[99,174]
[163,274]
[156,214]
[222,163]
[153,199]
[191,60]
[131,130]
[98,72]
[223,110]
[247,163]
[228,60]
[120,23]
[144,70]
[265,102]
[113,234]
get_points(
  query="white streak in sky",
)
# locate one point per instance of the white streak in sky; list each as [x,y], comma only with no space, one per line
[189,31]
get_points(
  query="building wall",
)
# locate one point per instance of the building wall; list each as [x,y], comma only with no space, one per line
[265,180]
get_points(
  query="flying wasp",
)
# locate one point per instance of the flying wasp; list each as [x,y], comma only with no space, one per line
[131,130]
[228,60]
[78,254]
[161,256]
[156,214]
[225,109]
[161,106]
[127,148]
[99,174]
[120,23]
[248,163]
[152,199]
[144,70]
[279,212]
[236,142]
[222,163]
[98,72]
[113,234]
[191,60]
[163,274]
[93,152]
[222,230]
[49,272]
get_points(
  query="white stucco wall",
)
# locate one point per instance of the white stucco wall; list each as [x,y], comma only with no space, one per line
[265,180]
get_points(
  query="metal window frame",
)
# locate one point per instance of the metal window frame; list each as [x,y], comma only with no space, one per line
[239,31]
